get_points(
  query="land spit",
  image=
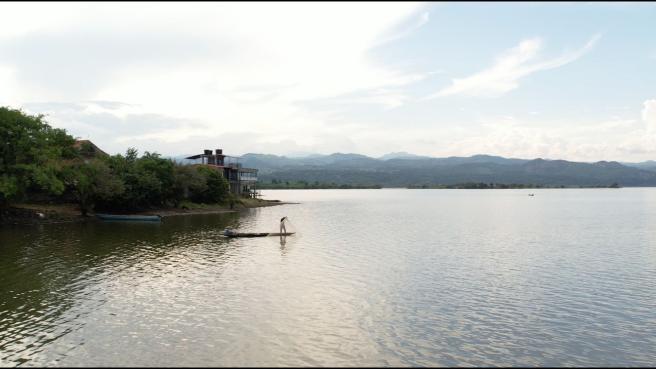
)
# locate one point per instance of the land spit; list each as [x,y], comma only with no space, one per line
[27,214]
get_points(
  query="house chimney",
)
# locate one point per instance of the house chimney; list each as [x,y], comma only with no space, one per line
[219,157]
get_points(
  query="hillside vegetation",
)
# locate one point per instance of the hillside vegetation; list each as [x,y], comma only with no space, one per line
[409,171]
[39,163]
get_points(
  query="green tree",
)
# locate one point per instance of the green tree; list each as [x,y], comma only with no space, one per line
[218,187]
[158,184]
[92,181]
[189,182]
[31,155]
[149,180]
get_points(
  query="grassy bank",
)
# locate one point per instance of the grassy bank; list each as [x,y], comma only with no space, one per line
[26,214]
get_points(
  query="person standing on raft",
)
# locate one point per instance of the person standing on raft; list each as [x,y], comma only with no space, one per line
[282,225]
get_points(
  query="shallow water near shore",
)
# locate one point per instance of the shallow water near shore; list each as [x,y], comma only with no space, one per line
[373,277]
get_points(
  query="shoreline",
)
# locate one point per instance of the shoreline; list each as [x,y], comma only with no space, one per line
[459,187]
[214,209]
[37,214]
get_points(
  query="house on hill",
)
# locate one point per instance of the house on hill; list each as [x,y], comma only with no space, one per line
[242,180]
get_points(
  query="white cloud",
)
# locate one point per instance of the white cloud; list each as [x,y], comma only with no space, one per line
[395,34]
[509,68]
[277,78]
[20,18]
[649,115]
[231,67]
[618,138]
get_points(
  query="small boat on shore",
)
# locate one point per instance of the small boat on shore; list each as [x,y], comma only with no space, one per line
[140,218]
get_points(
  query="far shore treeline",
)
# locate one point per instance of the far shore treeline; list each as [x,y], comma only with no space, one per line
[39,163]
[305,185]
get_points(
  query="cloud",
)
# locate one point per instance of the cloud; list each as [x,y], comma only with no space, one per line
[238,76]
[279,78]
[641,142]
[239,143]
[112,125]
[388,98]
[213,45]
[71,64]
[227,67]
[404,29]
[649,115]
[509,68]
[509,136]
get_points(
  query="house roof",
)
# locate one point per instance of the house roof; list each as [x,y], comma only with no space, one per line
[95,150]
[198,156]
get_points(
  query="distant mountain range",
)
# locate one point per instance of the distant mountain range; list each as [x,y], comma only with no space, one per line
[646,165]
[402,155]
[403,169]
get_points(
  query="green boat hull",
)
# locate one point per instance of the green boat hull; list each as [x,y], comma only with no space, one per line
[249,234]
[137,218]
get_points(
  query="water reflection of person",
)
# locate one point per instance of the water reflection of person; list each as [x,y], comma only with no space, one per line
[283,240]
[282,225]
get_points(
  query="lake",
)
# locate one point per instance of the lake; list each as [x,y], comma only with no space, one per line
[371,278]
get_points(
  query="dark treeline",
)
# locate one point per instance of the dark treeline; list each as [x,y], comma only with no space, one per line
[485,186]
[41,163]
[276,184]
[280,184]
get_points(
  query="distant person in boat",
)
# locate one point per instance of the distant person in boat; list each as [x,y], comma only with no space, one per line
[282,225]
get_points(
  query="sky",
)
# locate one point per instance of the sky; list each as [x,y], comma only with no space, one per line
[574,81]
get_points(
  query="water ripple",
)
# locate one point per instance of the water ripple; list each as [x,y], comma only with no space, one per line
[433,278]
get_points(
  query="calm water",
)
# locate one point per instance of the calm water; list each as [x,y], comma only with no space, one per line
[373,277]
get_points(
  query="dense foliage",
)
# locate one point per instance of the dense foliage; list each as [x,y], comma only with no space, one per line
[31,155]
[38,161]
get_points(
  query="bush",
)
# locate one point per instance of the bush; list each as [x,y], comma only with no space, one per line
[36,159]
[30,155]
[217,190]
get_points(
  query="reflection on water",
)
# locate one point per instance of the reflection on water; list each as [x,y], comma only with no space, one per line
[372,277]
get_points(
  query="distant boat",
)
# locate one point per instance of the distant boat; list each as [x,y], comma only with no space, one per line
[140,218]
[531,194]
[231,233]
